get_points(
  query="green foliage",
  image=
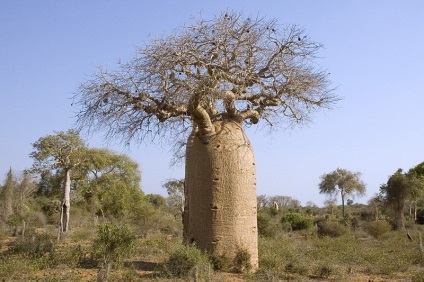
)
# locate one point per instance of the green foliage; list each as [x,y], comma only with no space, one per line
[175,190]
[110,183]
[186,260]
[331,229]
[156,199]
[34,246]
[377,228]
[63,150]
[220,262]
[113,242]
[297,221]
[400,187]
[344,182]
[242,261]
[267,226]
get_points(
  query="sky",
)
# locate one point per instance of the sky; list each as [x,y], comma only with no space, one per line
[373,51]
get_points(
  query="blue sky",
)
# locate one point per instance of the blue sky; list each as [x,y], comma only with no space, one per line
[373,50]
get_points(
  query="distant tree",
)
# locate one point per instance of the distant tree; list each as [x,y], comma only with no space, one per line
[262,201]
[156,199]
[62,151]
[6,195]
[110,182]
[376,202]
[344,182]
[208,79]
[396,191]
[175,190]
[24,192]
[331,203]
[416,174]
[284,202]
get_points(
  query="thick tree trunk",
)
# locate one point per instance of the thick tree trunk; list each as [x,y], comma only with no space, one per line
[220,215]
[66,202]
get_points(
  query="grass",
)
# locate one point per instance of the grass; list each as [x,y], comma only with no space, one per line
[303,255]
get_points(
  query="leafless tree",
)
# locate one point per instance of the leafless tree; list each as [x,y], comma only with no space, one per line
[206,81]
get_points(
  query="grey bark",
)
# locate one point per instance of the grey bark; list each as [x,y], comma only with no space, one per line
[66,203]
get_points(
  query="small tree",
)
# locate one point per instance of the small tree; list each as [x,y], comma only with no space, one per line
[331,203]
[113,243]
[416,174]
[110,182]
[344,182]
[62,151]
[176,197]
[6,195]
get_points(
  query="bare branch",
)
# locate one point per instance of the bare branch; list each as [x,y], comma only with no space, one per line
[227,68]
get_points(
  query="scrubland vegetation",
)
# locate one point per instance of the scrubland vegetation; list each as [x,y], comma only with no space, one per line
[105,243]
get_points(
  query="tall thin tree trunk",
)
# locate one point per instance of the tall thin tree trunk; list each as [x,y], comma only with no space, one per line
[343,205]
[66,202]
[415,210]
[220,214]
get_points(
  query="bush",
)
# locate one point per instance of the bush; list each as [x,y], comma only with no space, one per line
[242,261]
[186,260]
[220,262]
[331,229]
[114,242]
[297,221]
[266,226]
[36,246]
[377,228]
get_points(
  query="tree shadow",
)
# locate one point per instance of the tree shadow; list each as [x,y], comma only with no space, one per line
[142,265]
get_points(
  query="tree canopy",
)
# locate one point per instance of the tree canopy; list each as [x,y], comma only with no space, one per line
[230,67]
[344,182]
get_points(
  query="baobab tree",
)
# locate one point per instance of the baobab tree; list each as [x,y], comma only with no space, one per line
[62,151]
[342,181]
[203,83]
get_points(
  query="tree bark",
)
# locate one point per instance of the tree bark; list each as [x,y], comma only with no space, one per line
[220,215]
[66,202]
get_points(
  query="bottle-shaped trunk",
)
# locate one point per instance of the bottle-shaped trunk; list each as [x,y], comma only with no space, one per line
[220,214]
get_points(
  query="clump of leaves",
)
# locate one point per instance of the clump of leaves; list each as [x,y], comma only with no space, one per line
[267,226]
[35,246]
[220,262]
[113,243]
[377,228]
[242,261]
[186,260]
[331,229]
[297,221]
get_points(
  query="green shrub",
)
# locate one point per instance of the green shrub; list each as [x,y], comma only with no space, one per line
[186,260]
[114,242]
[297,221]
[377,228]
[35,246]
[331,229]
[242,261]
[220,262]
[266,225]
